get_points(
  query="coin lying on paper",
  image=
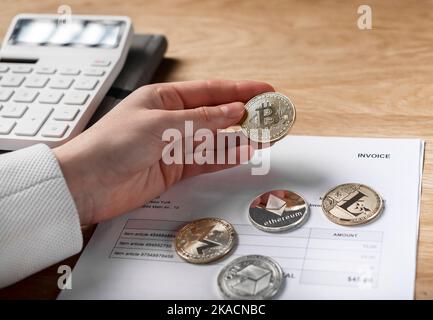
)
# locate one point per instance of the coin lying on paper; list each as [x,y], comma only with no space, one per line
[352,204]
[251,277]
[205,240]
[278,210]
[269,117]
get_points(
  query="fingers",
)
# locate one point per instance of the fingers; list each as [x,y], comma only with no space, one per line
[212,118]
[246,151]
[192,94]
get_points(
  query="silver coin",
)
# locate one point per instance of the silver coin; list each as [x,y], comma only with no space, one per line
[278,210]
[251,277]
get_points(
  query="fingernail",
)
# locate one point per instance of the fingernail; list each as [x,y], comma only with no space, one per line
[233,110]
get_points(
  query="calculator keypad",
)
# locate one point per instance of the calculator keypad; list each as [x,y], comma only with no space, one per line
[21,69]
[86,83]
[70,71]
[32,121]
[55,129]
[46,70]
[6,125]
[12,80]
[61,83]
[76,98]
[25,95]
[94,72]
[14,110]
[4,69]
[43,100]
[65,113]
[51,97]
[36,82]
[5,94]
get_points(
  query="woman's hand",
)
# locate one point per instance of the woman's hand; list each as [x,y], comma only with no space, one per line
[116,165]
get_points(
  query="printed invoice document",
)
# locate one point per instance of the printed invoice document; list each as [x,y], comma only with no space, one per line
[132,256]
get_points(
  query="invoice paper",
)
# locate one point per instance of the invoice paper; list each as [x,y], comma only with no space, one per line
[132,256]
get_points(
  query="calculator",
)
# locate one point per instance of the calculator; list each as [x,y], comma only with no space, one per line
[54,73]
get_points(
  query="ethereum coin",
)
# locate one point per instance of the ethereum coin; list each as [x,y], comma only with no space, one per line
[252,277]
[278,210]
[269,116]
[352,204]
[205,240]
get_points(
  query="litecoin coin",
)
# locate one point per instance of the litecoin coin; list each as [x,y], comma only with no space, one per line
[205,240]
[269,116]
[278,210]
[252,277]
[352,204]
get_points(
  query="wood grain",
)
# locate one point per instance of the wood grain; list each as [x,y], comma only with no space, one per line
[344,81]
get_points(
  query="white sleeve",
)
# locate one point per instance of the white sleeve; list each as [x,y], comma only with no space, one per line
[39,223]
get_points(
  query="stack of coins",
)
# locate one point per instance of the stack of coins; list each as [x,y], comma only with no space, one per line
[269,116]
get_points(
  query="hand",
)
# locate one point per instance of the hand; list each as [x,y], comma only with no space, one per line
[115,166]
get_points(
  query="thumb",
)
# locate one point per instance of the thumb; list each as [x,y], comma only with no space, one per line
[212,118]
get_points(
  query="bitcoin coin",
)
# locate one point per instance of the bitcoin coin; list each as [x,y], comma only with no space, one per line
[268,118]
[352,204]
[278,210]
[205,240]
[251,277]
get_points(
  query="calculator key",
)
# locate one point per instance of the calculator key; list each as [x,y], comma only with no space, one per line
[12,81]
[61,83]
[21,69]
[38,111]
[101,63]
[6,125]
[46,70]
[13,110]
[53,97]
[3,68]
[76,98]
[96,72]
[36,82]
[65,113]
[86,83]
[5,94]
[70,71]
[33,121]
[25,95]
[54,129]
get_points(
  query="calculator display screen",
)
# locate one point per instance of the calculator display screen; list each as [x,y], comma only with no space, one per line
[64,33]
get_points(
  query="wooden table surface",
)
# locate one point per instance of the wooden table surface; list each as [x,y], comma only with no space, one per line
[344,81]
